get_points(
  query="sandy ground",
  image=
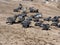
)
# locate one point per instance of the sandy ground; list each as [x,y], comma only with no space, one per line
[17,35]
